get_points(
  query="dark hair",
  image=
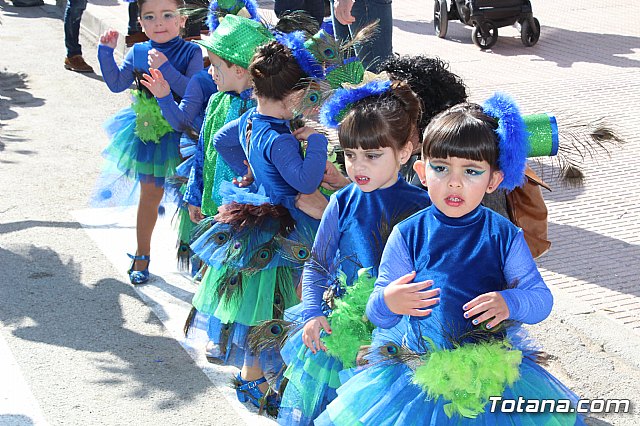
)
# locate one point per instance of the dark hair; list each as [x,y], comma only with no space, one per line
[297,20]
[179,3]
[275,72]
[386,120]
[462,131]
[436,86]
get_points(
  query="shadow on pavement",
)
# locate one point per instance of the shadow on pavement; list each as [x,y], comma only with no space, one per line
[13,89]
[596,48]
[7,228]
[589,256]
[15,420]
[62,311]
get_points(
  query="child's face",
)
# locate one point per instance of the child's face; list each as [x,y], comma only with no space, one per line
[456,185]
[160,20]
[373,169]
[222,74]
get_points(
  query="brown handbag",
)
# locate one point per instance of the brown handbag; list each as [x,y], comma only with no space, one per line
[528,211]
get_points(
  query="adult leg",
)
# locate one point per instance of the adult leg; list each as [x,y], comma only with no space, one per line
[133,26]
[72,17]
[380,47]
[150,197]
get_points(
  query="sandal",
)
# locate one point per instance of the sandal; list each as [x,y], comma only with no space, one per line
[249,391]
[138,277]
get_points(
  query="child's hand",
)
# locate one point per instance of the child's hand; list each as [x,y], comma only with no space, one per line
[109,38]
[312,204]
[156,58]
[333,179]
[245,180]
[404,297]
[303,133]
[195,213]
[156,83]
[311,333]
[487,306]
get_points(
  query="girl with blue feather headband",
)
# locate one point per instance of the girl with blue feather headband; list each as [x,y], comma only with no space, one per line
[376,122]
[455,282]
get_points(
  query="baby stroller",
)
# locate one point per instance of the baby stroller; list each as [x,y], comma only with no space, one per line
[486,16]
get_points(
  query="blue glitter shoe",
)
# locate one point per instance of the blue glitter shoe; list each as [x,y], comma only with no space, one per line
[249,391]
[138,277]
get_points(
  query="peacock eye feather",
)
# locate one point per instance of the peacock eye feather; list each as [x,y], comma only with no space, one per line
[221,237]
[390,349]
[276,329]
[329,53]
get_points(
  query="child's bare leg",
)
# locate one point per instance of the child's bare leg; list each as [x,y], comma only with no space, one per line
[150,197]
[251,371]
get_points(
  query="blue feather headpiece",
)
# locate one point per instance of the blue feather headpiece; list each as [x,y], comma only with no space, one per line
[218,9]
[334,110]
[513,139]
[295,42]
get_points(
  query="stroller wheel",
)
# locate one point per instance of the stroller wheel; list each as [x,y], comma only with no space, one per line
[530,34]
[485,37]
[440,17]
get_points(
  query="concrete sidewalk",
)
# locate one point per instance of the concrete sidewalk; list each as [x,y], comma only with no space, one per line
[585,66]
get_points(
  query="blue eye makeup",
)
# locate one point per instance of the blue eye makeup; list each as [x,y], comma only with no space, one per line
[473,172]
[437,168]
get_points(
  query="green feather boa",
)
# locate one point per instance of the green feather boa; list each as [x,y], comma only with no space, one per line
[350,327]
[150,124]
[468,375]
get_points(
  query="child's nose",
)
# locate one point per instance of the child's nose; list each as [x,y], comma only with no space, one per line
[455,181]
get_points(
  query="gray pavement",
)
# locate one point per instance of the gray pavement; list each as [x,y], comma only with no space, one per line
[90,349]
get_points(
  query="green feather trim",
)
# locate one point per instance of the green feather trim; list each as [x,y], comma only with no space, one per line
[350,327]
[150,124]
[468,375]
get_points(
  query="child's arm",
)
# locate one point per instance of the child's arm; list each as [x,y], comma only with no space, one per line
[193,192]
[325,247]
[305,175]
[180,116]
[227,143]
[530,302]
[177,80]
[394,293]
[315,279]
[117,78]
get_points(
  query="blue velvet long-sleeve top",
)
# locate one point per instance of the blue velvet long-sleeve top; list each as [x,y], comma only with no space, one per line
[190,112]
[184,60]
[465,257]
[275,156]
[232,105]
[354,228]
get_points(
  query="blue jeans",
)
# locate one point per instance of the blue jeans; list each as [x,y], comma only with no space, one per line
[379,47]
[72,17]
[315,8]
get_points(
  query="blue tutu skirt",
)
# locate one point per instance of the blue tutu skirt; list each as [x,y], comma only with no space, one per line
[312,382]
[384,393]
[130,161]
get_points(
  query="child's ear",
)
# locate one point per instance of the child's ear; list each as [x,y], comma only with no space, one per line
[405,152]
[496,178]
[420,168]
[183,21]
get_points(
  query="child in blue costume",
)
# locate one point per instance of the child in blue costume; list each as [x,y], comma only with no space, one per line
[185,117]
[376,135]
[251,275]
[466,280]
[144,147]
[230,46]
